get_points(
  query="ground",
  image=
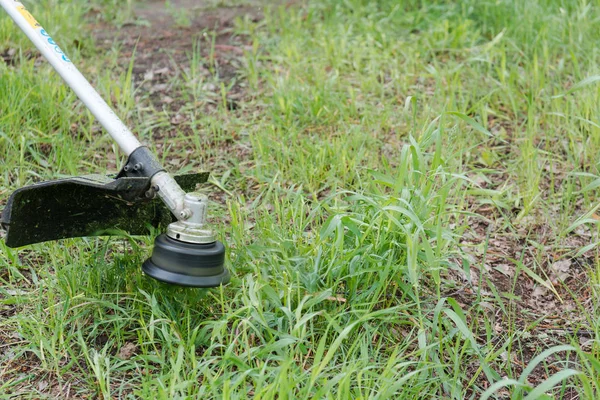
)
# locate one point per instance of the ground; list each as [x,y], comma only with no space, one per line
[407,192]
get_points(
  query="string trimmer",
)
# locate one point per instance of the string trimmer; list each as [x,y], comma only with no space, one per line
[94,205]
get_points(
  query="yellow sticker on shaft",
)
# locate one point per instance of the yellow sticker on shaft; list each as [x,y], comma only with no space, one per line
[27,15]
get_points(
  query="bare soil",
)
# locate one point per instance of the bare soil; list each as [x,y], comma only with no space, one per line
[162,47]
[501,246]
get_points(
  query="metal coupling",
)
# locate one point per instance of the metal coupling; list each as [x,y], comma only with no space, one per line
[192,227]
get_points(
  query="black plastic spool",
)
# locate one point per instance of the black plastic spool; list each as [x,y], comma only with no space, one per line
[187,264]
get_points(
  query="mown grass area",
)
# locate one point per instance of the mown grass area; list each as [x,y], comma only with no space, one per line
[407,189]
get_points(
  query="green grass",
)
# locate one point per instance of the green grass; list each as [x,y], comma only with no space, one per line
[394,187]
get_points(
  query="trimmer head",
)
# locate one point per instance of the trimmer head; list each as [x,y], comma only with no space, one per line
[189,254]
[187,264]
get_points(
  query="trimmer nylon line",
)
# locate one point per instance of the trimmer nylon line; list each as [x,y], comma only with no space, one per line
[169,191]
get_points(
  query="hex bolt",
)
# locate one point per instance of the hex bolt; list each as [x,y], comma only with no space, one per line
[151,193]
[185,213]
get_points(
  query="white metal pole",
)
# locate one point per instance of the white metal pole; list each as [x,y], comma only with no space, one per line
[71,75]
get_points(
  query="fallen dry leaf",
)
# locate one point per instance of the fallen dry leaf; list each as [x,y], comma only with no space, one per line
[539,291]
[162,71]
[177,119]
[42,385]
[127,351]
[561,270]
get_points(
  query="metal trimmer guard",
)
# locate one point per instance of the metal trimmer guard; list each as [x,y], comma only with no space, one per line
[90,205]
